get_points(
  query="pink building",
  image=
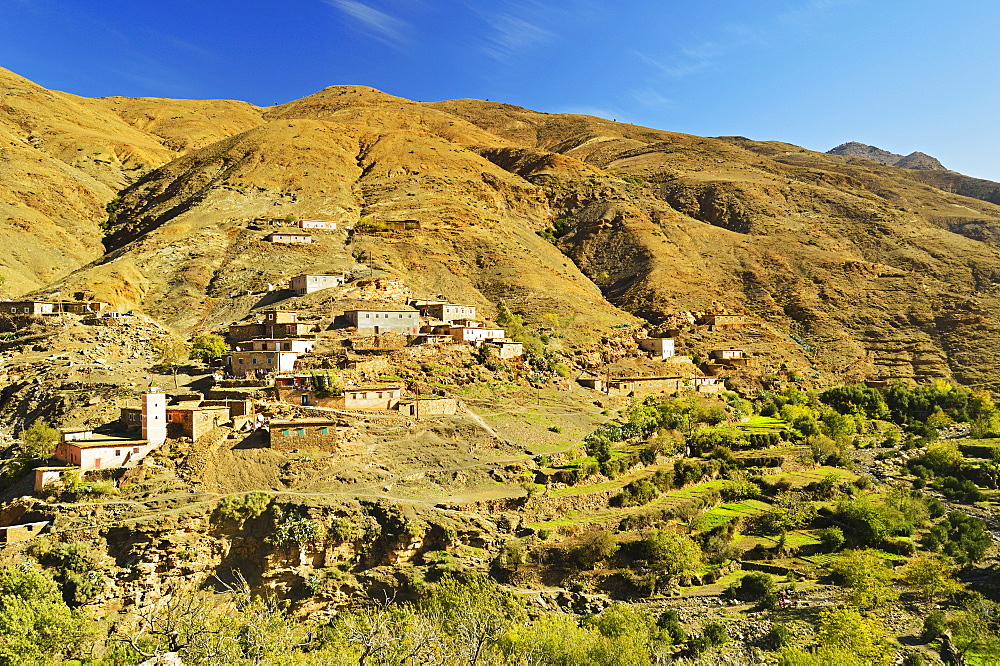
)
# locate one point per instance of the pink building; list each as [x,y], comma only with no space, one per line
[325,225]
[103,451]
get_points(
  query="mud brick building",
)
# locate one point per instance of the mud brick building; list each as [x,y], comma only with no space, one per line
[405,321]
[312,433]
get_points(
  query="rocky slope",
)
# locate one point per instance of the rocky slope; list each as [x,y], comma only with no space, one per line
[878,271]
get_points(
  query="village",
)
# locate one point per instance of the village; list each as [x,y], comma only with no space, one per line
[286,381]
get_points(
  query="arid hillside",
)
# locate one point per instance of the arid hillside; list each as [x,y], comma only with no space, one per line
[150,204]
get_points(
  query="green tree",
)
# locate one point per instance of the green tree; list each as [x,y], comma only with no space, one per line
[208,346]
[932,575]
[867,577]
[172,353]
[384,633]
[848,630]
[475,613]
[36,625]
[672,554]
[39,441]
[973,629]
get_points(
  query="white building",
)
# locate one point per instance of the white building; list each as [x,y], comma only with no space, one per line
[475,334]
[661,347]
[289,237]
[154,416]
[307,284]
[323,225]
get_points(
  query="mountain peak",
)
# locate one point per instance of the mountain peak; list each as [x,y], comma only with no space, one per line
[915,160]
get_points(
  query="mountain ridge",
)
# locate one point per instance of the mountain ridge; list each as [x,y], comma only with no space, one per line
[880,270]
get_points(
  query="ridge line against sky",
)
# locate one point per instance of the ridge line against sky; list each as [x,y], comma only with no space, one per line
[905,77]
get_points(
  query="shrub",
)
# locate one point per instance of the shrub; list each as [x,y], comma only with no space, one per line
[593,548]
[935,625]
[754,586]
[671,554]
[242,507]
[637,493]
[715,633]
[778,637]
[670,623]
[293,530]
[832,538]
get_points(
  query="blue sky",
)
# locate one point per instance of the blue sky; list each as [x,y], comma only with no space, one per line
[905,76]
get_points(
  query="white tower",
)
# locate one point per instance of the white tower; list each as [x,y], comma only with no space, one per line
[154,415]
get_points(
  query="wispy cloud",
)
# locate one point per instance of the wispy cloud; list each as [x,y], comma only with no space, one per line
[375,23]
[730,38]
[512,35]
[651,97]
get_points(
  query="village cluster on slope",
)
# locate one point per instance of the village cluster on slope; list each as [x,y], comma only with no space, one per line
[276,348]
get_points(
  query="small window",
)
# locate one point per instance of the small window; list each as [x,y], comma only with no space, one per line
[135,450]
[324,431]
[253,361]
[284,433]
[301,431]
[13,310]
[118,452]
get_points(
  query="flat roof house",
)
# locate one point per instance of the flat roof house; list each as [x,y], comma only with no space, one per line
[243,362]
[81,307]
[372,397]
[506,349]
[402,321]
[661,347]
[288,435]
[307,284]
[297,345]
[288,237]
[476,334]
[26,307]
[726,354]
[448,311]
[324,225]
[103,451]
[722,320]
[272,323]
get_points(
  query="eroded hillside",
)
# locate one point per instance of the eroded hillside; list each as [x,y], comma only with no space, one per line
[872,266]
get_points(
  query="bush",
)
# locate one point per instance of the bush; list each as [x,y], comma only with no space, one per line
[778,637]
[935,625]
[670,623]
[754,586]
[832,538]
[638,493]
[293,530]
[671,554]
[242,507]
[716,634]
[961,537]
[593,548]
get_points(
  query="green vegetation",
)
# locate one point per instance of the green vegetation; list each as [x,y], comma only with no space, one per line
[36,624]
[326,383]
[558,229]
[208,347]
[243,507]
